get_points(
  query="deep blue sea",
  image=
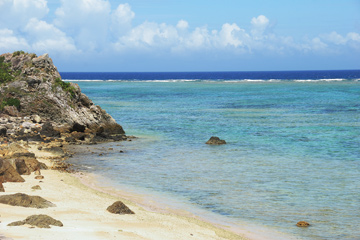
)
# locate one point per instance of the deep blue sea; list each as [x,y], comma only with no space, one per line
[292,152]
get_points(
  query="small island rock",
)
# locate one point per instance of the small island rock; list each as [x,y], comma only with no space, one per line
[303,224]
[215,141]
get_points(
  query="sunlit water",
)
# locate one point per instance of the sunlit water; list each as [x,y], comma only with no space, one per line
[292,152]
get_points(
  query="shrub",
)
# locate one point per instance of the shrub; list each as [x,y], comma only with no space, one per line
[5,72]
[17,53]
[10,102]
[66,86]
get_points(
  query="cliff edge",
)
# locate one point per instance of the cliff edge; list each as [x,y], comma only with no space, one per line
[31,89]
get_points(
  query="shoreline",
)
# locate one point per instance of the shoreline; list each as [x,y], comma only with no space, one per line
[82,209]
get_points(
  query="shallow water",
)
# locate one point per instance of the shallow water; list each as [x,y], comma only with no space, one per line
[292,152]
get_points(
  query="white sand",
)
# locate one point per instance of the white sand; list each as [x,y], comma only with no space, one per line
[82,210]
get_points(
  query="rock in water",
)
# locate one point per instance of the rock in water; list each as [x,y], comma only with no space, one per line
[41,221]
[215,141]
[119,208]
[303,224]
[24,200]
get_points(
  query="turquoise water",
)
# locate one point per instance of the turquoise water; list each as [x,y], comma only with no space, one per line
[292,152]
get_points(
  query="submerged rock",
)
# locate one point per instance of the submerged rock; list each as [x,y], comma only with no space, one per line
[215,141]
[303,224]
[41,221]
[24,200]
[119,208]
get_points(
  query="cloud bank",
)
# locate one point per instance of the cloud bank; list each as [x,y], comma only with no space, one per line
[94,26]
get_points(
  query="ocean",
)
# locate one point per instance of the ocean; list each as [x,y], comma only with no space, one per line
[292,152]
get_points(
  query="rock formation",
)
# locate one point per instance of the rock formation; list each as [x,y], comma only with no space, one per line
[119,208]
[303,224]
[215,141]
[41,221]
[34,89]
[24,200]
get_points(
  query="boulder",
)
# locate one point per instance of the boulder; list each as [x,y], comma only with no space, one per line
[303,224]
[11,111]
[215,141]
[24,200]
[21,167]
[8,172]
[3,131]
[1,184]
[41,221]
[48,130]
[119,208]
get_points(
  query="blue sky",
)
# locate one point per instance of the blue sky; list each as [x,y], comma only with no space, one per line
[197,35]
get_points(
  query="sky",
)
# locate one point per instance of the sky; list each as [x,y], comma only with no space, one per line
[186,35]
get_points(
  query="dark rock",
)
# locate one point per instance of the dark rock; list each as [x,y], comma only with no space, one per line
[3,131]
[9,173]
[1,184]
[21,167]
[215,141]
[119,208]
[49,131]
[24,200]
[77,127]
[39,177]
[41,221]
[303,224]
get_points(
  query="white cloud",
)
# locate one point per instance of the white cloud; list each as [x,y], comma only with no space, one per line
[15,14]
[9,42]
[232,35]
[182,25]
[87,21]
[259,25]
[121,19]
[47,38]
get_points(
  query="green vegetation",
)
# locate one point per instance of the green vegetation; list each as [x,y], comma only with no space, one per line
[5,72]
[10,102]
[65,86]
[18,53]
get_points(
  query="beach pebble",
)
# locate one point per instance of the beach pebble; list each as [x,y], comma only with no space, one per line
[39,177]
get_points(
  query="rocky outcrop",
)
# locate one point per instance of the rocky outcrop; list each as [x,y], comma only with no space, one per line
[215,141]
[303,224]
[9,173]
[24,200]
[119,208]
[37,92]
[40,221]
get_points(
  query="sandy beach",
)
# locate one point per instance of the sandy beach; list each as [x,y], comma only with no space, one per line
[82,210]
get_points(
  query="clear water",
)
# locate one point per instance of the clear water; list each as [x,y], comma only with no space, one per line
[292,152]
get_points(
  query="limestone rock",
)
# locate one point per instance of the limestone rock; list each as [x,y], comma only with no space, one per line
[1,184]
[41,221]
[8,172]
[48,130]
[119,208]
[37,187]
[303,224]
[215,141]
[24,200]
[21,167]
